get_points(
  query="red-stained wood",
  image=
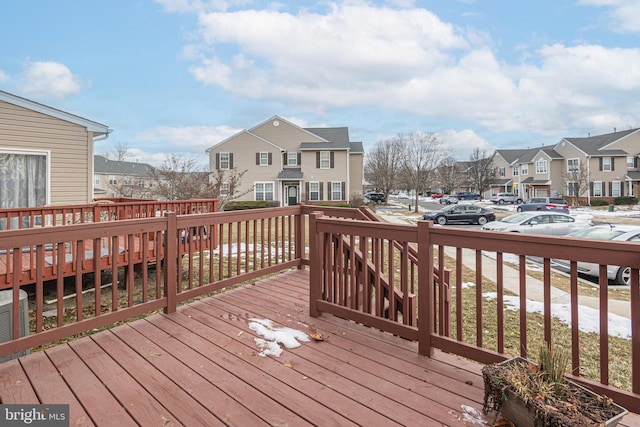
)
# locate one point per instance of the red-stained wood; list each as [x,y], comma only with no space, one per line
[200,366]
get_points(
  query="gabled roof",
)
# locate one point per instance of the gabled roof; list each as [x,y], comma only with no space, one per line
[240,133]
[114,167]
[597,145]
[50,111]
[528,155]
[276,117]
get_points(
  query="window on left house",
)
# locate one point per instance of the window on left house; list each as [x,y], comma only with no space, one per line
[23,179]
[263,191]
[224,161]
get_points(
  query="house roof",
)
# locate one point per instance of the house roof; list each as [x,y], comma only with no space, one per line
[597,145]
[501,181]
[91,126]
[114,167]
[530,180]
[295,173]
[528,155]
[633,175]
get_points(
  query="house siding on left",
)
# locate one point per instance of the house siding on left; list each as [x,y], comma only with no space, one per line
[68,145]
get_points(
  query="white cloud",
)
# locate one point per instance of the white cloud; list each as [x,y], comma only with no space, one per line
[189,139]
[355,55]
[50,78]
[462,143]
[623,14]
[3,76]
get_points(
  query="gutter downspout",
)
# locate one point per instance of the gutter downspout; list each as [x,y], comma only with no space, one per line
[90,160]
[589,180]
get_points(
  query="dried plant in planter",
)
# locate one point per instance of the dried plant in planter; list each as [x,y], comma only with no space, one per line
[540,395]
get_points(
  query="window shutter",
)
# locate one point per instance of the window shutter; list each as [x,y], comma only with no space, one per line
[343,190]
[270,159]
[299,159]
[318,160]
[217,160]
[329,191]
[306,190]
[610,188]
[331,155]
[257,159]
[613,163]
[600,163]
[230,160]
[591,188]
[635,162]
[321,192]
[284,159]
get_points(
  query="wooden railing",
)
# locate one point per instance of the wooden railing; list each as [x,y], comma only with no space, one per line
[481,320]
[101,211]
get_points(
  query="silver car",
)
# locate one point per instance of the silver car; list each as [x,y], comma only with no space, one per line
[548,223]
[619,275]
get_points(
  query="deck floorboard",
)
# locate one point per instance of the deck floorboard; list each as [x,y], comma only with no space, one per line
[201,366]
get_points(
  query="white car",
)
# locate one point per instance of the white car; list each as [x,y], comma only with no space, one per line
[548,223]
[626,233]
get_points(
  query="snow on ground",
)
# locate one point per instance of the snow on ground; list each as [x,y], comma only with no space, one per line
[273,337]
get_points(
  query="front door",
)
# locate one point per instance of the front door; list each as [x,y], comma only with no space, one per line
[292,195]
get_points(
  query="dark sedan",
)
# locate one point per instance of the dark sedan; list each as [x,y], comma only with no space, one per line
[461,213]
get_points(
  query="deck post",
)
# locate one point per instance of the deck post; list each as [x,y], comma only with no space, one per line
[315,264]
[300,237]
[171,258]
[425,289]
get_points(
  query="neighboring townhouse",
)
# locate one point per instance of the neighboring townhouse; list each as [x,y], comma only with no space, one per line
[290,164]
[530,172]
[46,155]
[610,162]
[114,178]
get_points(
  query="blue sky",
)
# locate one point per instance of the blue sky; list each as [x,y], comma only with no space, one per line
[177,76]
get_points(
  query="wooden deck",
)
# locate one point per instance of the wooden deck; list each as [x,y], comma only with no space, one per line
[200,367]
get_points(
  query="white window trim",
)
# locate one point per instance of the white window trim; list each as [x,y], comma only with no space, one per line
[96,179]
[597,189]
[516,171]
[291,154]
[340,191]
[264,192]
[33,152]
[541,166]
[501,171]
[630,162]
[524,170]
[266,158]
[604,164]
[570,188]
[328,160]
[616,192]
[224,188]
[317,191]
[571,167]
[228,161]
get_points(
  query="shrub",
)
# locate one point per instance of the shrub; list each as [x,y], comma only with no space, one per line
[241,205]
[625,200]
[599,202]
[356,201]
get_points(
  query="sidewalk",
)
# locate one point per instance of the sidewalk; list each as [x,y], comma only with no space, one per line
[511,279]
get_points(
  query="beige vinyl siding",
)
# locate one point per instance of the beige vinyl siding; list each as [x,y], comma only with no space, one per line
[68,144]
[284,135]
[356,175]
[244,148]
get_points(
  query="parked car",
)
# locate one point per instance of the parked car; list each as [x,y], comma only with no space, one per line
[437,195]
[448,199]
[620,275]
[549,223]
[556,204]
[376,197]
[466,195]
[470,214]
[502,198]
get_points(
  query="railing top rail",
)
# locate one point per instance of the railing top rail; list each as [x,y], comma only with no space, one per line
[383,230]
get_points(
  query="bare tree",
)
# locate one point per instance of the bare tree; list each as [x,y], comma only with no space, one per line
[120,152]
[383,165]
[181,178]
[481,170]
[423,152]
[576,181]
[448,176]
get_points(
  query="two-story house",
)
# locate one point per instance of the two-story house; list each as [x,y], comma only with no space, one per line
[609,163]
[115,178]
[46,155]
[530,172]
[289,164]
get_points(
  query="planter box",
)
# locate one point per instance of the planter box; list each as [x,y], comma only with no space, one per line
[515,410]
